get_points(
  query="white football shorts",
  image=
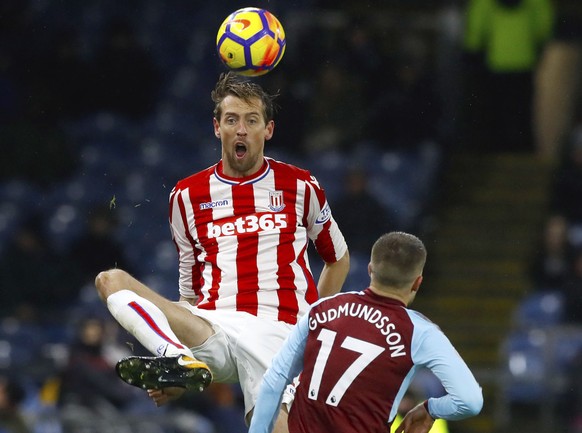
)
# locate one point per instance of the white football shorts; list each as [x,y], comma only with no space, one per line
[241,348]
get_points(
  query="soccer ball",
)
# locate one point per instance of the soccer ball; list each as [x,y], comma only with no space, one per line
[251,41]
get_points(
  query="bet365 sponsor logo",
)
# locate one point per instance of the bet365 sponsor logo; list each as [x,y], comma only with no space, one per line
[247,224]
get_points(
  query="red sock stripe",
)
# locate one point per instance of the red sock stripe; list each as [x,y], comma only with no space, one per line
[152,324]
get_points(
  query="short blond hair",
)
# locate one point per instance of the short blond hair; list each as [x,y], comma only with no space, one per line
[397,259]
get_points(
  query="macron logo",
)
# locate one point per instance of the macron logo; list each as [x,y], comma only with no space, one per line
[213,204]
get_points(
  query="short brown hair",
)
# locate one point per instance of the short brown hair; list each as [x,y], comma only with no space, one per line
[231,84]
[397,259]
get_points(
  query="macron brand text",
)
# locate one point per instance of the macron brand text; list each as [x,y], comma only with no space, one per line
[213,204]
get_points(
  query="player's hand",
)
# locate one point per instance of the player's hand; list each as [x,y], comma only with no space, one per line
[165,395]
[417,420]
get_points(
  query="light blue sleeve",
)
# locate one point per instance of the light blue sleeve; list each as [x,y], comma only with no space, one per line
[432,349]
[286,364]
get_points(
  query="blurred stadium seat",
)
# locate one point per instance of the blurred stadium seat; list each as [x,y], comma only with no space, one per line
[524,377]
[540,309]
[525,366]
[536,367]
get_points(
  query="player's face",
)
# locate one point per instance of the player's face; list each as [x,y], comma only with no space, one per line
[243,132]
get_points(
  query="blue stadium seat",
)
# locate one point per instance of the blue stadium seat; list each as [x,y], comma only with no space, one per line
[540,309]
[536,368]
[525,366]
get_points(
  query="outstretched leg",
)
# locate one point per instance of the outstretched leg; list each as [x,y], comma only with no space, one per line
[162,327]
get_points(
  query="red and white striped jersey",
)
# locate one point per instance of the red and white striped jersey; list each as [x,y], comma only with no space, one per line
[242,242]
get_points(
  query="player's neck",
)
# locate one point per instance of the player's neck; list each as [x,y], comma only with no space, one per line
[388,293]
[231,172]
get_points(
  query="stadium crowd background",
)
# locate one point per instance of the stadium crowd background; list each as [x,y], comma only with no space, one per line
[104,105]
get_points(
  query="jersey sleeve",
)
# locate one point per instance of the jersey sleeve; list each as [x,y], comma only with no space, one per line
[286,365]
[322,229]
[189,269]
[432,349]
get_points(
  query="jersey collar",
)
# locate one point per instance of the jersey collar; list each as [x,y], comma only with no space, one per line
[263,171]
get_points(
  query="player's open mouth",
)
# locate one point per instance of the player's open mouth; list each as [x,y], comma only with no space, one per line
[240,150]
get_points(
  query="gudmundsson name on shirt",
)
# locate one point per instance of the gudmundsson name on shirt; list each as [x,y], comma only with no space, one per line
[367,313]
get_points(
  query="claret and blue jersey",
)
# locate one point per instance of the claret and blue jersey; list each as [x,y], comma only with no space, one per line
[360,350]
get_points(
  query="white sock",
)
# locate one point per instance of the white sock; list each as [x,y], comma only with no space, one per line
[146,322]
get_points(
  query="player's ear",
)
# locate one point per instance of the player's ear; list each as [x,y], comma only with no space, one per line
[216,127]
[269,129]
[417,283]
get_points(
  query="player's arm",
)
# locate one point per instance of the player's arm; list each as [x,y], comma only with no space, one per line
[188,266]
[329,242]
[464,397]
[333,275]
[286,365]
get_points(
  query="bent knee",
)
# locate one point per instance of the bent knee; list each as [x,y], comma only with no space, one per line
[110,281]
